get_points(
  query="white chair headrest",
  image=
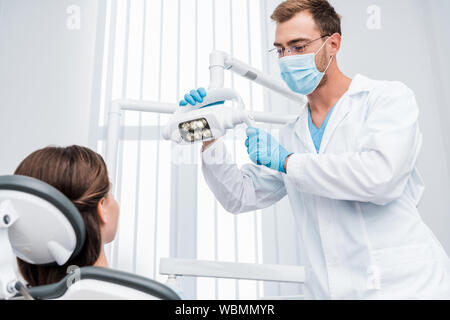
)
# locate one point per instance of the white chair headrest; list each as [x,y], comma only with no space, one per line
[48,228]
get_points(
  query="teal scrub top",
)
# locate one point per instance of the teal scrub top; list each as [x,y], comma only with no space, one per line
[317,133]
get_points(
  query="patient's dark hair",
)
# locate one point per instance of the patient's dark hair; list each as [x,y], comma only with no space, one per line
[81,175]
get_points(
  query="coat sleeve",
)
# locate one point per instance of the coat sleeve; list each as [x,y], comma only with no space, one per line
[240,190]
[389,144]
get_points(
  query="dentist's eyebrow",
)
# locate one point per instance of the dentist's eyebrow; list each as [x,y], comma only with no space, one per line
[291,42]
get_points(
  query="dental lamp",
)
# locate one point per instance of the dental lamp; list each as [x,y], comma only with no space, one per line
[219,62]
[197,123]
[193,124]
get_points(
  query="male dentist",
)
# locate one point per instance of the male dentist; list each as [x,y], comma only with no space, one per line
[348,166]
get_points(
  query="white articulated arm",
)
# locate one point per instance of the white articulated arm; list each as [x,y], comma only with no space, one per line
[220,61]
[232,270]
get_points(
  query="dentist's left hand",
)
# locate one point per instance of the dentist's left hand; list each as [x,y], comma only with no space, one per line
[195,96]
[264,149]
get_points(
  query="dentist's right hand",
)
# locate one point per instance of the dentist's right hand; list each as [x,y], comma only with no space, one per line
[196,96]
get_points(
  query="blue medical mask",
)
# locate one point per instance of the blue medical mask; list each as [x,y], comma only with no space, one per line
[300,72]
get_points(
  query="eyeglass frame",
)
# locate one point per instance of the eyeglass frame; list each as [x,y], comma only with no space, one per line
[293,48]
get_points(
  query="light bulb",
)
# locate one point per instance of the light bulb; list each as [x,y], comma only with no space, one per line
[193,125]
[185,126]
[198,135]
[207,133]
[189,137]
[200,124]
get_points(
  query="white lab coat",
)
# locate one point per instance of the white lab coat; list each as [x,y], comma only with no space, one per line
[355,203]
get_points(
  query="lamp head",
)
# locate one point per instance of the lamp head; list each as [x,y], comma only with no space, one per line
[206,121]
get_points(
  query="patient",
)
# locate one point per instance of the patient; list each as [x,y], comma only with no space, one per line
[81,175]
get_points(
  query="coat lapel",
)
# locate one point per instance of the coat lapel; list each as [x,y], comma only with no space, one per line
[359,84]
[302,130]
[339,114]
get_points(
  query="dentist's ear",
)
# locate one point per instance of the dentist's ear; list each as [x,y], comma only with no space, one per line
[334,44]
[101,211]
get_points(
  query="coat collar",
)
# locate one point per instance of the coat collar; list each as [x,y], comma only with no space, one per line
[358,85]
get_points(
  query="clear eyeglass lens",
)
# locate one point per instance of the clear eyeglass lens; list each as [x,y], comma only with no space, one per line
[280,52]
[298,49]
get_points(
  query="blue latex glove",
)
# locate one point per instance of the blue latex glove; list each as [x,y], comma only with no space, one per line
[264,149]
[196,96]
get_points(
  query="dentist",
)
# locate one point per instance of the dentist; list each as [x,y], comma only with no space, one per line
[348,166]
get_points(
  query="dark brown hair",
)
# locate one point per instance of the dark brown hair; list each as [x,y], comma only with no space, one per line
[81,175]
[326,18]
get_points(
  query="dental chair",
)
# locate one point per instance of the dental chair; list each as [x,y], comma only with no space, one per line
[39,225]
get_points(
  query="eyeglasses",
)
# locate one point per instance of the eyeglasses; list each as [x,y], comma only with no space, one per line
[295,49]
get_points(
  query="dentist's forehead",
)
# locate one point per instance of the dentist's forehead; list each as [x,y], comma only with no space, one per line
[301,26]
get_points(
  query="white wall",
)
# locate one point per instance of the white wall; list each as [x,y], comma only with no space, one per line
[46,73]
